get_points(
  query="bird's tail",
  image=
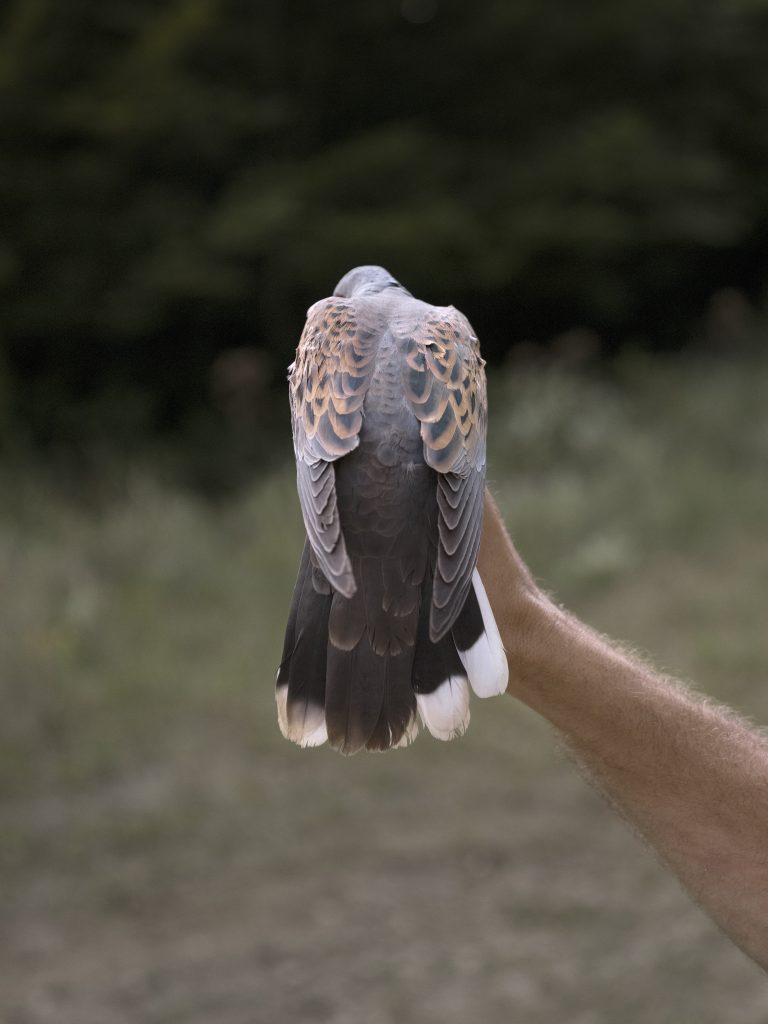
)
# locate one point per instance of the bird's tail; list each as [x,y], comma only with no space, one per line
[357,690]
[471,654]
[301,676]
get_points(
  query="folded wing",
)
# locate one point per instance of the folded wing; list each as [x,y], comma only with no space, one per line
[444,383]
[328,383]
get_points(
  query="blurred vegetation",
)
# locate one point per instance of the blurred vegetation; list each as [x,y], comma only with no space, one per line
[181,180]
[178,182]
[133,601]
[167,856]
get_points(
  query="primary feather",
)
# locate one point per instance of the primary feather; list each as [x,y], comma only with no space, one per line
[389,617]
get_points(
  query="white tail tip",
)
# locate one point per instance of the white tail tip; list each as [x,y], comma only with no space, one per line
[445,711]
[305,726]
[485,661]
[410,734]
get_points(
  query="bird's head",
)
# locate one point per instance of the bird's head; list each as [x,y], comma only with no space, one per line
[366,281]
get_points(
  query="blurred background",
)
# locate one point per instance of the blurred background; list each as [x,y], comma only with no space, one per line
[178,182]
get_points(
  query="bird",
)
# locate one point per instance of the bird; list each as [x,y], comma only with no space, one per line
[389,623]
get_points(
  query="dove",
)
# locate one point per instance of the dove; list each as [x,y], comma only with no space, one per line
[389,623]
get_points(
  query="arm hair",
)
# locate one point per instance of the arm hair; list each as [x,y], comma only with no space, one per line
[689,774]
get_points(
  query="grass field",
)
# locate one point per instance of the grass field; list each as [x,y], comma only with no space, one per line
[167,857]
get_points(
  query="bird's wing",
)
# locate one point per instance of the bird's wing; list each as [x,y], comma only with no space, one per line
[444,382]
[328,383]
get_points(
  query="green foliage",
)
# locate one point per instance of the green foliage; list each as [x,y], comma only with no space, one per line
[177,179]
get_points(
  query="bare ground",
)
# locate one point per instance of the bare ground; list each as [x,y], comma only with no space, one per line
[433,885]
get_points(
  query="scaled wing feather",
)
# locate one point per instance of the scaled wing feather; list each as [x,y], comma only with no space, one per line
[444,383]
[328,383]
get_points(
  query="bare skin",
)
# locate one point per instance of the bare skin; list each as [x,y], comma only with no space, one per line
[689,774]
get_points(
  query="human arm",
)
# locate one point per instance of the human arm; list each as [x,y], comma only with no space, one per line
[689,774]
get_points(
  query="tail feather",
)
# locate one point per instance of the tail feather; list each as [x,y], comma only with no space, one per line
[445,711]
[353,697]
[369,698]
[479,644]
[361,684]
[410,734]
[309,731]
[439,680]
[300,691]
[397,724]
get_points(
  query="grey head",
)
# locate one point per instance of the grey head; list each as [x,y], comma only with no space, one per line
[366,281]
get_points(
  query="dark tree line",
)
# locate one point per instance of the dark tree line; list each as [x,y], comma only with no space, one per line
[184,178]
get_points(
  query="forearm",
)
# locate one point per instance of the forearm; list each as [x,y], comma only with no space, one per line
[691,776]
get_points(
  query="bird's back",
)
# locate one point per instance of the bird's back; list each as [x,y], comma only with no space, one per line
[388,404]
